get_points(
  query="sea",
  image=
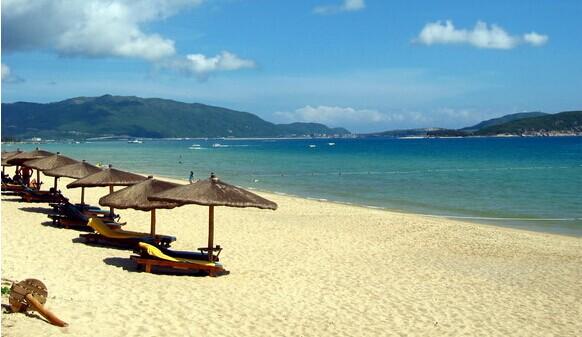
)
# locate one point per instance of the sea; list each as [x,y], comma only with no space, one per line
[532,183]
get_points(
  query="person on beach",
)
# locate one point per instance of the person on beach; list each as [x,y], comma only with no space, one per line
[191,178]
[25,173]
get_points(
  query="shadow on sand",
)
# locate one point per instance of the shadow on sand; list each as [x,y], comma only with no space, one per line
[42,210]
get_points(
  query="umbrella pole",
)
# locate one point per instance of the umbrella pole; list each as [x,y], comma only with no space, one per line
[111,191]
[38,180]
[56,184]
[153,222]
[82,196]
[210,233]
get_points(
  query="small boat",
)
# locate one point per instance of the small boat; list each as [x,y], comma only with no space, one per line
[331,144]
[135,141]
[312,145]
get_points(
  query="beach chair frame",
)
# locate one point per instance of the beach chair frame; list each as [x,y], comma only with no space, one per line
[107,235]
[29,195]
[150,257]
[148,262]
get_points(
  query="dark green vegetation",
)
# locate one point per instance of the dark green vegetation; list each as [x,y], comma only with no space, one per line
[502,120]
[86,117]
[569,121]
[520,124]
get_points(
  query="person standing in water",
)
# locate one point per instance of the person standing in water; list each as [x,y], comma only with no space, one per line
[191,178]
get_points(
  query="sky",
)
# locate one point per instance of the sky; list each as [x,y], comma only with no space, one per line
[367,65]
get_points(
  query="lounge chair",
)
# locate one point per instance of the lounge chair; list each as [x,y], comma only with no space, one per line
[153,256]
[68,215]
[120,237]
[50,196]
[13,188]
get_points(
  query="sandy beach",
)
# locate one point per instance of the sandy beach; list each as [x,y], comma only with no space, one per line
[309,268]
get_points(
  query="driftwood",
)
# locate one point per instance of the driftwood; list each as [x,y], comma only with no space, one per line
[31,294]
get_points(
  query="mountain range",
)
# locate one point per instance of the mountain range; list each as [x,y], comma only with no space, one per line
[519,124]
[129,116]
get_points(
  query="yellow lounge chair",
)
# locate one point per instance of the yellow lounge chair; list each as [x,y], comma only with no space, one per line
[153,256]
[121,237]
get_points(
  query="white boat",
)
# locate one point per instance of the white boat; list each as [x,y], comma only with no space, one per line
[331,144]
[312,145]
[135,141]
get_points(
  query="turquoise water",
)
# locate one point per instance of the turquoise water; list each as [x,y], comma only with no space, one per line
[522,180]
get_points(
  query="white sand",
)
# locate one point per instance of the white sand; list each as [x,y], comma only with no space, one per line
[308,269]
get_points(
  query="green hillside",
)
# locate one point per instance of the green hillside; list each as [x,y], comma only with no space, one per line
[85,117]
[528,123]
[568,121]
[503,120]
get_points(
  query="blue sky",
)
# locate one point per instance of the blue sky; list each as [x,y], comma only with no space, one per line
[362,64]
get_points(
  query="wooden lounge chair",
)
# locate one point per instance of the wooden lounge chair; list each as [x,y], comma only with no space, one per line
[50,196]
[150,256]
[13,188]
[68,215]
[120,237]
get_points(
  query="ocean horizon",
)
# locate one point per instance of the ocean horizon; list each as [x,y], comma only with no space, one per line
[531,183]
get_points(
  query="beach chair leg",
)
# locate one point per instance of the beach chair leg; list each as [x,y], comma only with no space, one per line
[148,268]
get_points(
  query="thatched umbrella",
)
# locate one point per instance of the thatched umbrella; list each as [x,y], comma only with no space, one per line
[49,163]
[7,155]
[213,192]
[20,158]
[24,156]
[108,177]
[136,197]
[76,171]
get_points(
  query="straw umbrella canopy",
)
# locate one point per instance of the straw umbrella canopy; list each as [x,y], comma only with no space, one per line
[24,156]
[136,197]
[20,158]
[49,163]
[7,155]
[213,192]
[76,171]
[108,177]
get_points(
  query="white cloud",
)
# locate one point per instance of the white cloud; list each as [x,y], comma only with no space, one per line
[93,28]
[224,61]
[346,6]
[202,66]
[5,72]
[333,115]
[8,76]
[105,28]
[481,36]
[535,39]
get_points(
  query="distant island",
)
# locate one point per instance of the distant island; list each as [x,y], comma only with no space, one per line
[134,117]
[118,117]
[568,123]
